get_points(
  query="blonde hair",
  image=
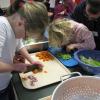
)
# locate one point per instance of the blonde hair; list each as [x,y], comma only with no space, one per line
[35,13]
[60,30]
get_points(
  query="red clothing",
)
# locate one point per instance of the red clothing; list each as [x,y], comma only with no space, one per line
[78,1]
[60,7]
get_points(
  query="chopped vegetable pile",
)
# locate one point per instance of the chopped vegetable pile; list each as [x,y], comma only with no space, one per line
[64,55]
[44,55]
[90,61]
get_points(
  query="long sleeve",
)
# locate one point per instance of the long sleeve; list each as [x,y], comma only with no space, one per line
[84,38]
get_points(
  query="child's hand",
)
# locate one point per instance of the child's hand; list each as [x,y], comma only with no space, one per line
[18,58]
[20,67]
[70,47]
[37,63]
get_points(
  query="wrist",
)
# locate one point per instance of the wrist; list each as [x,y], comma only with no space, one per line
[11,67]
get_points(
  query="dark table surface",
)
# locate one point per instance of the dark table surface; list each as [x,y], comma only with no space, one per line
[25,94]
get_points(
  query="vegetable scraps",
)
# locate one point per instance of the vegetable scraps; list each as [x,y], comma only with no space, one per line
[90,61]
[64,55]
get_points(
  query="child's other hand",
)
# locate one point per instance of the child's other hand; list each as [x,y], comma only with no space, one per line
[70,47]
[18,58]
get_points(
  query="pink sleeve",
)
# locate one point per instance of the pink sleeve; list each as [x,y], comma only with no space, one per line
[84,38]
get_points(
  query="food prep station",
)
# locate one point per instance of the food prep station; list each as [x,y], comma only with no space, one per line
[48,79]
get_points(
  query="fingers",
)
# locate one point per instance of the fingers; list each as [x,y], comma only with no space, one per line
[37,63]
[71,48]
[68,49]
[19,59]
[20,67]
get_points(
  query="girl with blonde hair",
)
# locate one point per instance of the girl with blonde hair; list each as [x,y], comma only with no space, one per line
[24,19]
[71,34]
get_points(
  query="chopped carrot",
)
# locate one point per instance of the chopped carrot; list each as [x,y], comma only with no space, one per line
[44,55]
[45,72]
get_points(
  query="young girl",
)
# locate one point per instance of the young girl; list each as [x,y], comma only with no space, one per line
[24,19]
[71,34]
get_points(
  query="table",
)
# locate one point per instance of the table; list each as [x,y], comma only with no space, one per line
[25,94]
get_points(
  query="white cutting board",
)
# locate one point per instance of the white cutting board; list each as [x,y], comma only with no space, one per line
[54,71]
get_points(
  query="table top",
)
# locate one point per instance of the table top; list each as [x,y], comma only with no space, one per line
[36,94]
[25,94]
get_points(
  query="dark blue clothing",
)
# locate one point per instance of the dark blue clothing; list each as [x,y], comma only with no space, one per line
[8,93]
[79,15]
[1,12]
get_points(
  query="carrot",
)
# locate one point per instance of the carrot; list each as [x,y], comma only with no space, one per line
[44,55]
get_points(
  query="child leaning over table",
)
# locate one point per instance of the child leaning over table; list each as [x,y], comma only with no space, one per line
[73,35]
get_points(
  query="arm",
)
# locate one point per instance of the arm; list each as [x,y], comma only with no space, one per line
[4,67]
[84,39]
[5,60]
[23,51]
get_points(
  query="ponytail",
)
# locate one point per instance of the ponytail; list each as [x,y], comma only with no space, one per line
[15,7]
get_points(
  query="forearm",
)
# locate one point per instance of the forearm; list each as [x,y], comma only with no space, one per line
[26,55]
[85,45]
[4,67]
